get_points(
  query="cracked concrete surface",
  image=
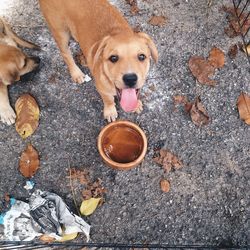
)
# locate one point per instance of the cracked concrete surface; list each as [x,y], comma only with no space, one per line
[209,198]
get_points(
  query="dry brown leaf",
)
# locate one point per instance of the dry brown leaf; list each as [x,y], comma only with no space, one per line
[216,57]
[198,113]
[168,160]
[233,28]
[29,161]
[27,112]
[157,21]
[133,6]
[165,185]
[202,70]
[243,104]
[79,175]
[232,52]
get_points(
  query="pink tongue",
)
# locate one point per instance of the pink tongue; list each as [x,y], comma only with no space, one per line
[128,100]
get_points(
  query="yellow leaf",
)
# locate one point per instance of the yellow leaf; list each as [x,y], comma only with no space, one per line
[89,206]
[67,237]
[27,112]
[246,49]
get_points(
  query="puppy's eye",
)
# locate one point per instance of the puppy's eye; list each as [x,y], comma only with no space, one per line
[114,58]
[141,57]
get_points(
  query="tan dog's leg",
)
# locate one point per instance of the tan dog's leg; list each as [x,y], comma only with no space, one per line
[109,111]
[62,40]
[7,114]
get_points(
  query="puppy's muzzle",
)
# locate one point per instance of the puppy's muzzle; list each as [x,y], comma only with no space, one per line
[130,80]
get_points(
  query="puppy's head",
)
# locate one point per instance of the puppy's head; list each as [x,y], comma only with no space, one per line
[14,63]
[125,61]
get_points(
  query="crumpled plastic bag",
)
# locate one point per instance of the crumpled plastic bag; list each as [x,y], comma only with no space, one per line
[46,213]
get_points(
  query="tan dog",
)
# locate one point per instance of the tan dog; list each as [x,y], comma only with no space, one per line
[118,57]
[13,64]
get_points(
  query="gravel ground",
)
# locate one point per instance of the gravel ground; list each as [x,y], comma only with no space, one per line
[209,198]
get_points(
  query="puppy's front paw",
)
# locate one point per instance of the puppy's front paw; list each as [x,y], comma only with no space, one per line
[7,115]
[110,113]
[139,107]
[77,75]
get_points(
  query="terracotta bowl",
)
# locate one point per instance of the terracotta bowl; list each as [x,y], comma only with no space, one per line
[122,145]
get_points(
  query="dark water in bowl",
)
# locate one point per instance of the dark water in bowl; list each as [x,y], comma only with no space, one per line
[122,144]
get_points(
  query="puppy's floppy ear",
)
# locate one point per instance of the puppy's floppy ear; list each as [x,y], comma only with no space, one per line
[97,50]
[151,45]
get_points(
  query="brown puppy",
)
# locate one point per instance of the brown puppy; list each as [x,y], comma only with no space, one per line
[118,57]
[13,64]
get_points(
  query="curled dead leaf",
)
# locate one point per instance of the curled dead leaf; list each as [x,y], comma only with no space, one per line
[168,160]
[216,57]
[243,104]
[27,112]
[202,70]
[198,113]
[29,161]
[157,21]
[165,185]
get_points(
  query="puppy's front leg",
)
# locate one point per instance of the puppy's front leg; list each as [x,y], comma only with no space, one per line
[62,39]
[109,111]
[7,114]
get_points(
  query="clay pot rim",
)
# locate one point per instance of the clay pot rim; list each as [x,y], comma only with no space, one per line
[117,165]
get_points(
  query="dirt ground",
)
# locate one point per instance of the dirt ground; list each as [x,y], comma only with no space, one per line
[209,198]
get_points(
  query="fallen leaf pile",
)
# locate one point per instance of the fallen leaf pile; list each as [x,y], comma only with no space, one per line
[158,21]
[29,161]
[234,28]
[168,160]
[203,69]
[133,6]
[165,185]
[243,104]
[92,193]
[81,176]
[94,190]
[27,112]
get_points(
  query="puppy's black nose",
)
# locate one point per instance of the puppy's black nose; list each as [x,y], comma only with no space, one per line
[130,80]
[36,59]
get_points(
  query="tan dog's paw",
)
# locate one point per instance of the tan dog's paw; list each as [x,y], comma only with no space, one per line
[110,113]
[77,75]
[7,115]
[139,107]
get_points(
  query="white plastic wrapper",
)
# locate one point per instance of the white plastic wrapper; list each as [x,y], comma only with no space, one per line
[46,213]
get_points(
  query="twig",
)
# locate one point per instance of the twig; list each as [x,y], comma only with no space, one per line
[72,190]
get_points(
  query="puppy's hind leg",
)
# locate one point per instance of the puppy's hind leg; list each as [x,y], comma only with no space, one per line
[62,39]
[7,114]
